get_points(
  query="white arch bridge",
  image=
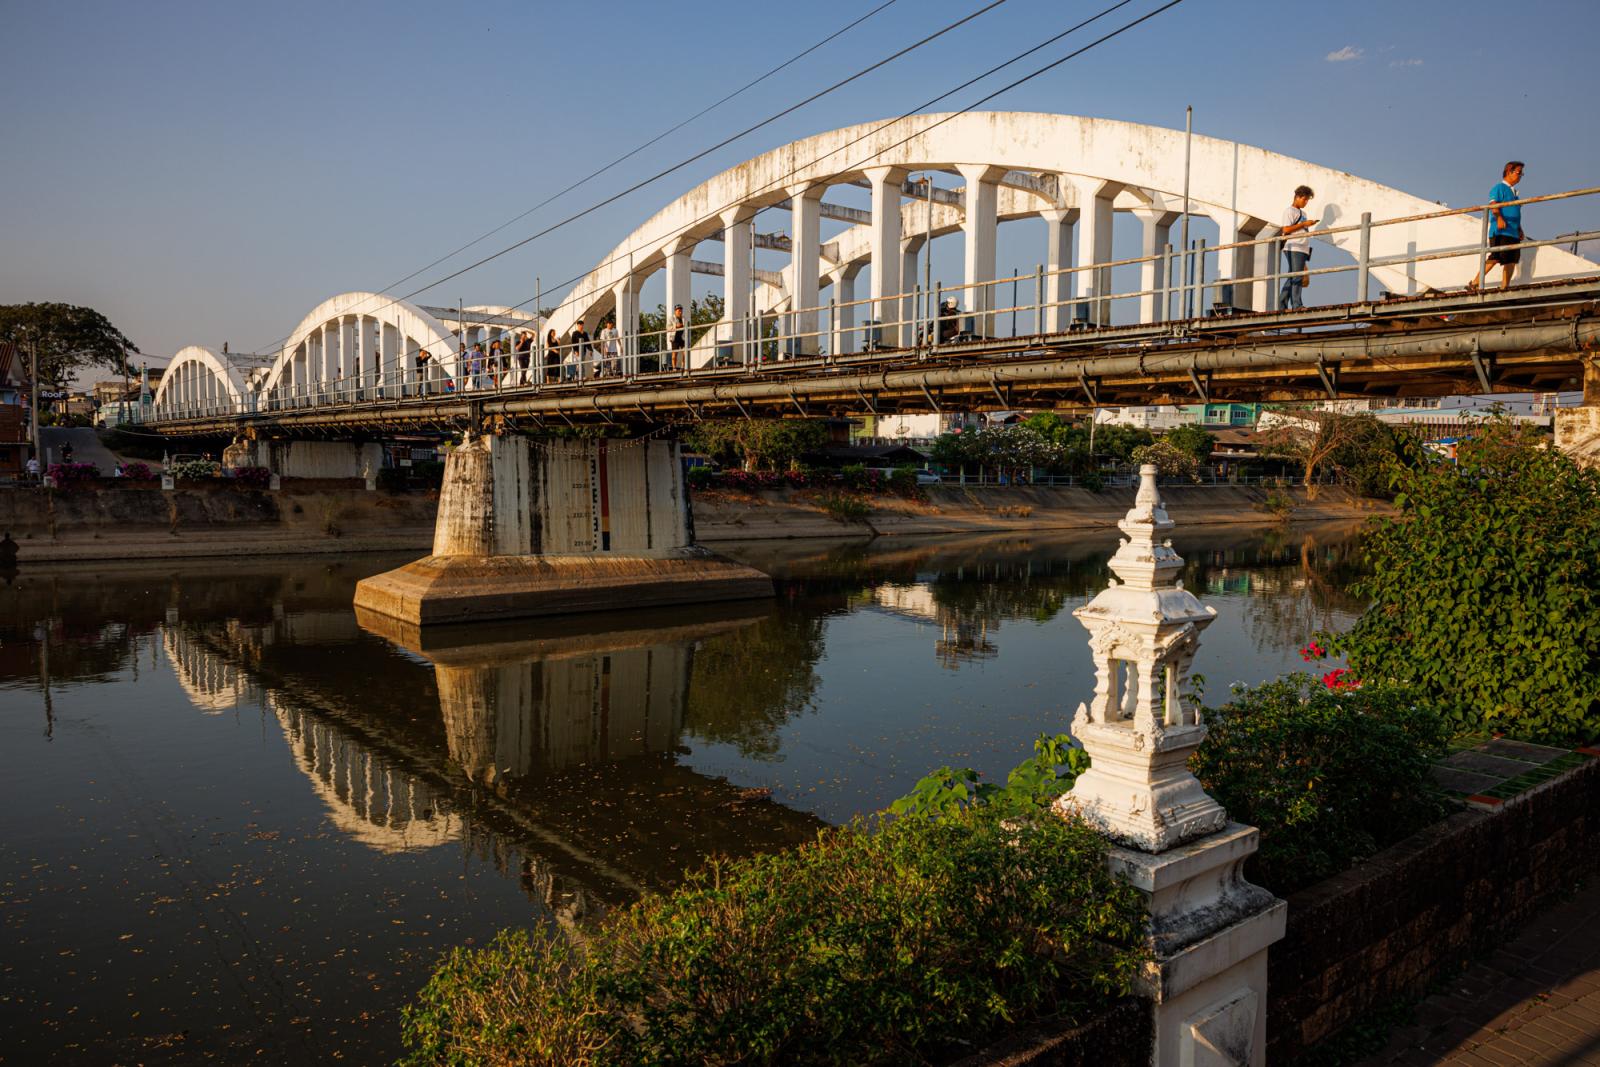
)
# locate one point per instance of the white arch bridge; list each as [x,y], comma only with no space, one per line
[1165,323]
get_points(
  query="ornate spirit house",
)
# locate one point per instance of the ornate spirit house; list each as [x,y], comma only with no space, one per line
[1137,728]
[1209,929]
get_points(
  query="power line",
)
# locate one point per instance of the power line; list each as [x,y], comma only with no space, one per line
[857,75]
[901,118]
[657,139]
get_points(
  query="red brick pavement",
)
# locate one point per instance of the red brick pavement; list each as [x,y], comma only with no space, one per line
[1534,1002]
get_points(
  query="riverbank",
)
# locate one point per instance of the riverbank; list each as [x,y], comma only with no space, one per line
[782,514]
[226,520]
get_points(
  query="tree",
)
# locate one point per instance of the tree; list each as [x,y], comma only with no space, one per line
[1118,442]
[703,314]
[1315,438]
[67,337]
[1170,461]
[758,444]
[1485,589]
[1193,440]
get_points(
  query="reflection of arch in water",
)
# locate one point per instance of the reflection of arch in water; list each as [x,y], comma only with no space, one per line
[212,684]
[368,797]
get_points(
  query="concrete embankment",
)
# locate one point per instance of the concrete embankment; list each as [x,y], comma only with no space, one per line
[224,520]
[800,513]
[218,519]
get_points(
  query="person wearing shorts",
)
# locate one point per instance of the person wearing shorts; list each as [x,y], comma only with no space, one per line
[1505,227]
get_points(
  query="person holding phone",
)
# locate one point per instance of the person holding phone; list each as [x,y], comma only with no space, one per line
[1296,249]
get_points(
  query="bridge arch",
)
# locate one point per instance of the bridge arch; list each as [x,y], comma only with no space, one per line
[198,381]
[1076,173]
[355,345]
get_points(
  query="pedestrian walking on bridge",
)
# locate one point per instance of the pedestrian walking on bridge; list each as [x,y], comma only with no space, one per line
[1296,249]
[1505,227]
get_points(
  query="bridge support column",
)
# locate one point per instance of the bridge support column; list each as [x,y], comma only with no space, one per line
[1157,232]
[1264,291]
[529,527]
[1233,263]
[885,243]
[1095,196]
[805,264]
[909,248]
[844,312]
[1577,429]
[1058,223]
[626,295]
[980,226]
[677,295]
[736,277]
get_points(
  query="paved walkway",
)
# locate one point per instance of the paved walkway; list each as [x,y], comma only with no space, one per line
[86,447]
[1535,1002]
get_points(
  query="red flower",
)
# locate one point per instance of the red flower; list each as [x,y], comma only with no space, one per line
[1339,678]
[1312,651]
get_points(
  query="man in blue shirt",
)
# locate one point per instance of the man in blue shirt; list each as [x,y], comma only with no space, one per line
[1505,227]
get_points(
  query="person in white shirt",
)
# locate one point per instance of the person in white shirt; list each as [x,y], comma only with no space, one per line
[1296,249]
[610,345]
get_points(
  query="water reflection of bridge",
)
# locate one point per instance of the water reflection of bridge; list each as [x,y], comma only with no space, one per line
[541,752]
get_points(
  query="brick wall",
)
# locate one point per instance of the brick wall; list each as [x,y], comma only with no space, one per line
[1381,933]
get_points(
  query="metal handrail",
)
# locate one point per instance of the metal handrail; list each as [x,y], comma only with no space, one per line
[753,347]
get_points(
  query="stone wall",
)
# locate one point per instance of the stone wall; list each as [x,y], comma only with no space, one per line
[1380,934]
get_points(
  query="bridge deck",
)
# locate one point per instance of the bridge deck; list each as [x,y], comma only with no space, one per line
[1528,338]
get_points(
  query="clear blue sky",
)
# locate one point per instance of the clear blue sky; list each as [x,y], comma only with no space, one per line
[209,171]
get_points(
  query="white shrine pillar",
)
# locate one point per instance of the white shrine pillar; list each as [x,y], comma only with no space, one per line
[980,227]
[885,245]
[805,264]
[1058,224]
[736,280]
[1209,930]
[1095,197]
[1156,232]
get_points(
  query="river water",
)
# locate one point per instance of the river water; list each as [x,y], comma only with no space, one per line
[236,821]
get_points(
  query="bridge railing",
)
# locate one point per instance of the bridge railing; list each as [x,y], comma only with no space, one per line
[1176,286]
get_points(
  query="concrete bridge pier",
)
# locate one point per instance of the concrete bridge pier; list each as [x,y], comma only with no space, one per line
[1577,429]
[532,527]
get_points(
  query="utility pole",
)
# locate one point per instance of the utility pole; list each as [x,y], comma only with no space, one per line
[1188,138]
[33,399]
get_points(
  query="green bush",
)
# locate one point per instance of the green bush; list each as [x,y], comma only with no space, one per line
[1032,786]
[844,507]
[1330,771]
[1329,775]
[903,479]
[1277,503]
[1092,481]
[700,477]
[853,475]
[1485,589]
[863,947]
